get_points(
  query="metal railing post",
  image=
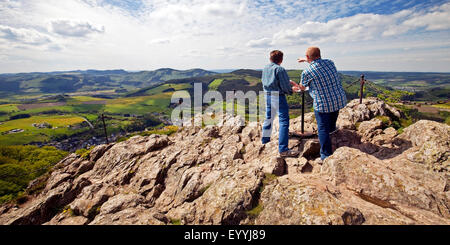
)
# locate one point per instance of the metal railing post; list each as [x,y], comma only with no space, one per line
[104,127]
[361,95]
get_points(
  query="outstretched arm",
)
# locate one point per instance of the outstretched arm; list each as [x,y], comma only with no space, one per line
[301,60]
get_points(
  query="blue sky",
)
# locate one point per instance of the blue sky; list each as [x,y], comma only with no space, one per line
[377,35]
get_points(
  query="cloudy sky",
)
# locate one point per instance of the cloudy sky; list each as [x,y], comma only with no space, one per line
[376,35]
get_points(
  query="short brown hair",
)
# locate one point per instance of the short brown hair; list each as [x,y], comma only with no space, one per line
[313,53]
[276,56]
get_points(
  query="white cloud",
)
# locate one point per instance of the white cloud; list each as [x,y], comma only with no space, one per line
[365,27]
[259,43]
[159,41]
[206,33]
[350,29]
[23,36]
[74,28]
[434,21]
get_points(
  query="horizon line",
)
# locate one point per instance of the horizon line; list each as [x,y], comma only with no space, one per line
[210,70]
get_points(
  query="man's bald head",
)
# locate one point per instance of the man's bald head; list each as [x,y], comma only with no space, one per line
[313,53]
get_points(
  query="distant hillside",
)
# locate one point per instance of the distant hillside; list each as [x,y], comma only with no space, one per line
[250,80]
[426,86]
[88,81]
[135,109]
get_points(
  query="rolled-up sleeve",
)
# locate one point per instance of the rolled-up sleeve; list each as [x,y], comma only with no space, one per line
[284,81]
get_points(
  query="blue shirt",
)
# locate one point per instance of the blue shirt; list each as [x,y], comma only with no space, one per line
[275,78]
[325,86]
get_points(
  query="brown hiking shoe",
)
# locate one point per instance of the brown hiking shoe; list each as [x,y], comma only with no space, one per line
[289,153]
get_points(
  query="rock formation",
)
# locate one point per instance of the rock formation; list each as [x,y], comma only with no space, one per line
[223,175]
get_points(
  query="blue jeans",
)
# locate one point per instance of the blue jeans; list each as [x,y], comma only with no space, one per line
[326,123]
[276,102]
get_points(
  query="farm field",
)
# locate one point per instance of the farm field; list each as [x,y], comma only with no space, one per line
[27,133]
[60,112]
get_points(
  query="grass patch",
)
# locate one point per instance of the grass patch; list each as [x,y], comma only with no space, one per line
[254,213]
[69,211]
[55,121]
[84,153]
[385,120]
[139,105]
[167,130]
[214,85]
[8,108]
[269,178]
[204,189]
[175,221]
[30,133]
[442,106]
[166,87]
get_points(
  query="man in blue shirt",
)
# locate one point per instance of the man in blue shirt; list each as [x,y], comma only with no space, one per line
[276,85]
[325,87]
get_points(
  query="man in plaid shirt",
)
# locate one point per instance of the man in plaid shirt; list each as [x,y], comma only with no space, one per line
[325,87]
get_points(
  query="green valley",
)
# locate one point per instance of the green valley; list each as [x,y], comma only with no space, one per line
[72,120]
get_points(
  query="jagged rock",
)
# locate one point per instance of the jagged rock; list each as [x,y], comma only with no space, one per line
[344,137]
[253,150]
[310,123]
[386,137]
[88,203]
[274,165]
[209,131]
[390,132]
[161,217]
[251,132]
[370,108]
[218,174]
[68,218]
[296,165]
[58,178]
[84,167]
[286,202]
[131,216]
[433,142]
[352,216]
[372,181]
[231,125]
[369,129]
[311,149]
[98,152]
[121,202]
[280,166]
[224,202]
[447,183]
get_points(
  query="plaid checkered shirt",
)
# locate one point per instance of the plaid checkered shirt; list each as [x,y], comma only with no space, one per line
[325,86]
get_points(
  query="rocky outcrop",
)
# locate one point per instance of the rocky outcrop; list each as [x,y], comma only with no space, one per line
[355,112]
[431,141]
[223,175]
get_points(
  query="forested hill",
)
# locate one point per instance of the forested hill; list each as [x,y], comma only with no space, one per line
[89,81]
[250,80]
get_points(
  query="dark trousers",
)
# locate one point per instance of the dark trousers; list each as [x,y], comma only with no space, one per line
[326,123]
